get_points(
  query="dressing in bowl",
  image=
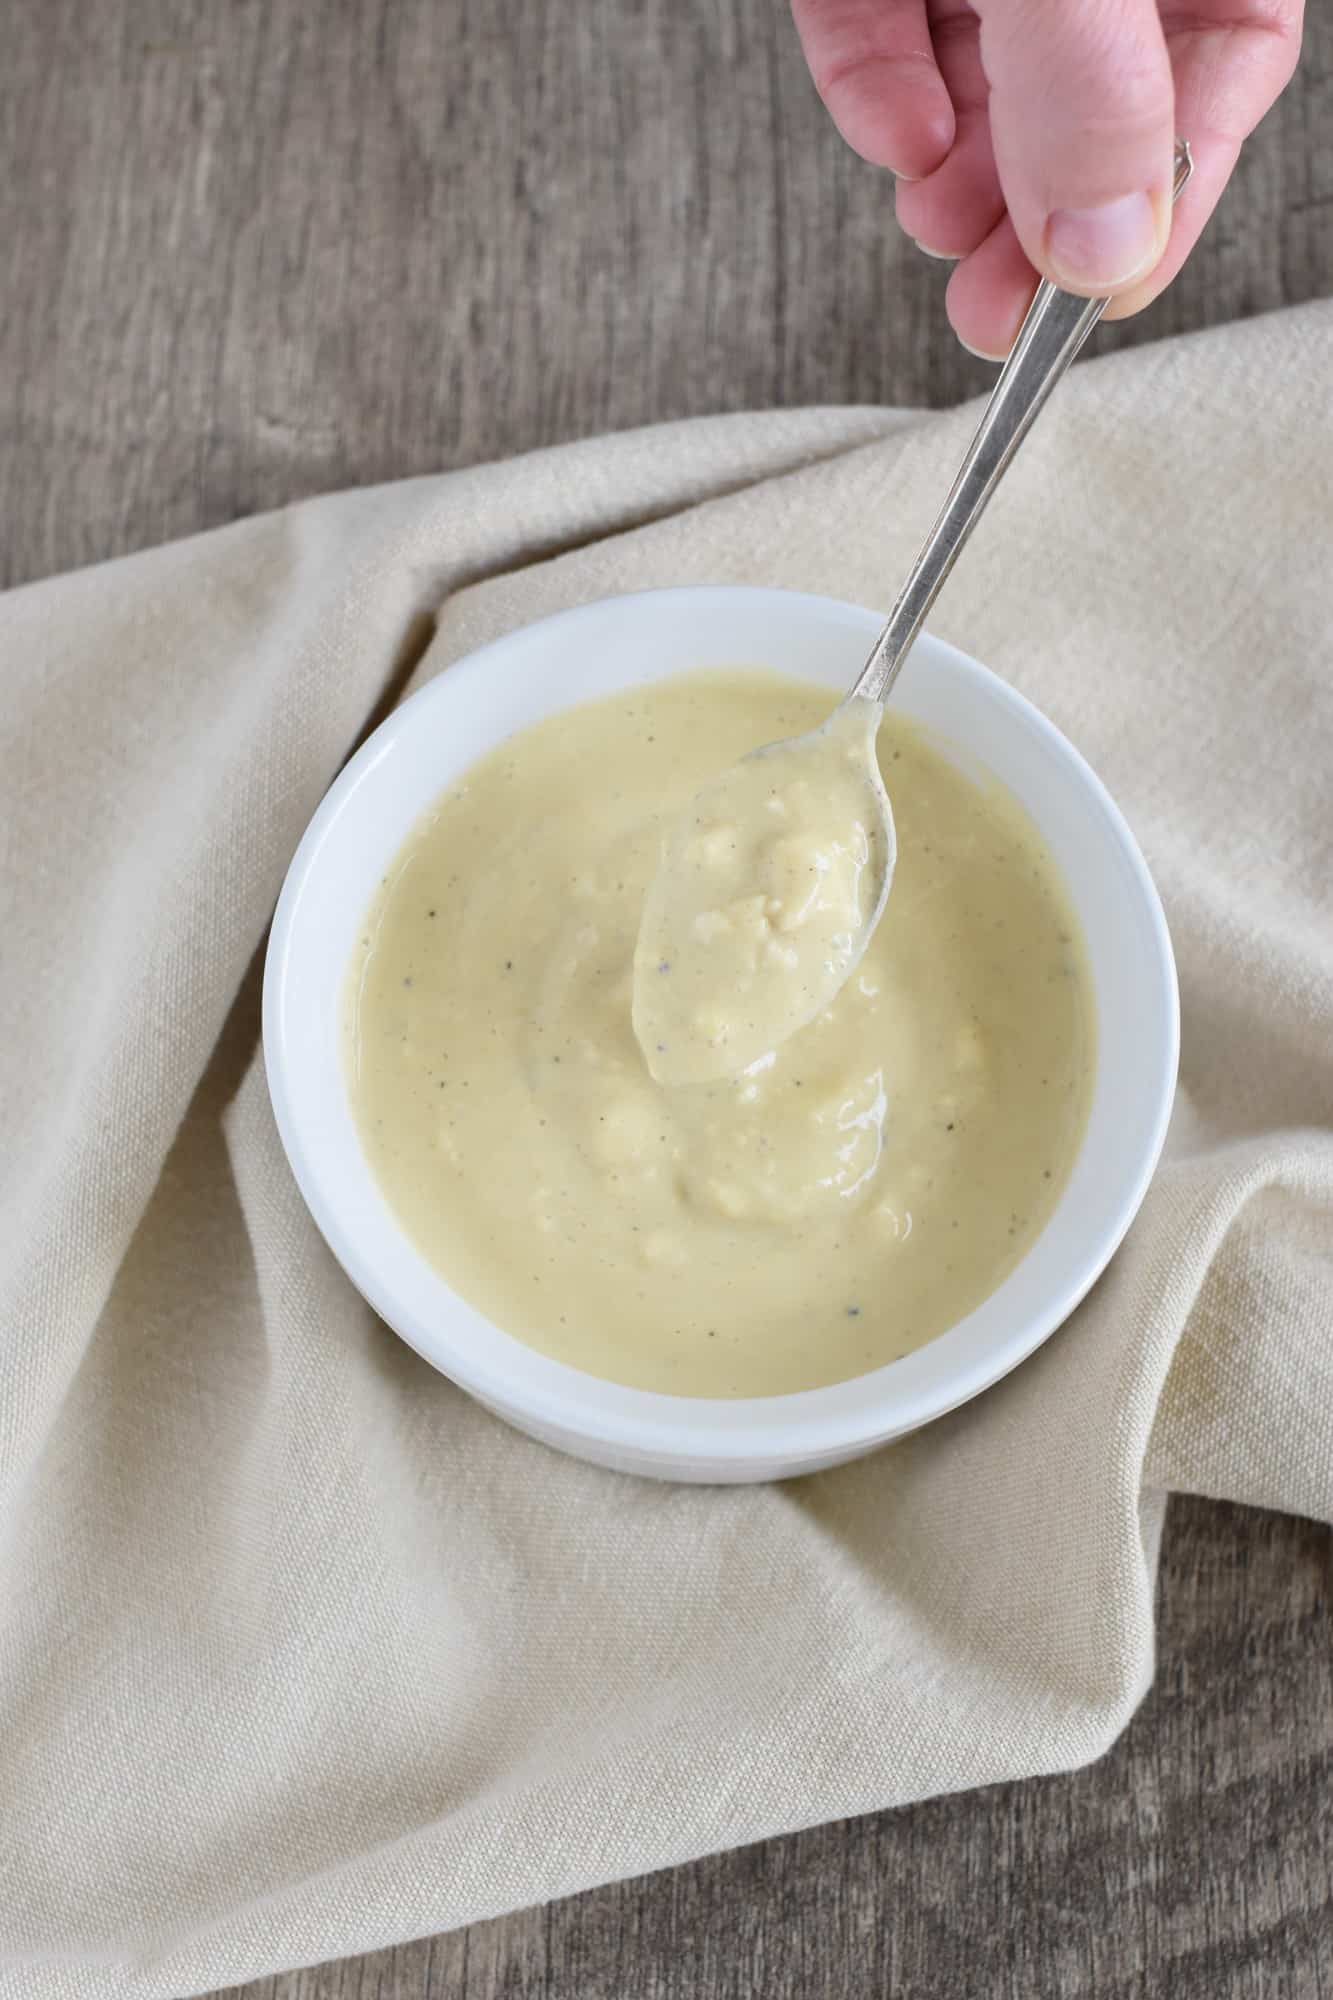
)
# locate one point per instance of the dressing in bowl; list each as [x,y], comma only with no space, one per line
[858,1186]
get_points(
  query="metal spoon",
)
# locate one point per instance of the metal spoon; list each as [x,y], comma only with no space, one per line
[1056,326]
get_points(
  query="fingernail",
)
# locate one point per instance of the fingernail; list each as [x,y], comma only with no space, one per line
[1100,248]
[980,352]
[940,256]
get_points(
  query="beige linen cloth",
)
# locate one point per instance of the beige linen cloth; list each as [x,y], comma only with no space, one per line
[301,1652]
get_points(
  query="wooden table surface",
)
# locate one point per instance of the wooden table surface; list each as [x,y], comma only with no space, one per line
[257,249]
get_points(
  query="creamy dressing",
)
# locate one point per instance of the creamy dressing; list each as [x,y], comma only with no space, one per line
[852,1194]
[767,891]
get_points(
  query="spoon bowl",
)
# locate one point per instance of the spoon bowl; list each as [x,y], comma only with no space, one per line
[769,889]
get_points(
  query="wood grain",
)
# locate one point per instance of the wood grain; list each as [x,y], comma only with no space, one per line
[257,249]
[266,248]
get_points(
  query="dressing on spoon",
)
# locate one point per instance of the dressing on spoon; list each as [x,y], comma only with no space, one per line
[767,893]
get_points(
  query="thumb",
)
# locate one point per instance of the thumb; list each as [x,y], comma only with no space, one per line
[1081,116]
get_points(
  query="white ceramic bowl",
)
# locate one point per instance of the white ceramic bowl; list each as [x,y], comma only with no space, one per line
[627,641]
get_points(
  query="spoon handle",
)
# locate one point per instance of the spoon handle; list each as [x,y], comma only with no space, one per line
[1056,326]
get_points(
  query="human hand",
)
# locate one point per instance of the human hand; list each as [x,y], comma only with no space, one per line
[1036,136]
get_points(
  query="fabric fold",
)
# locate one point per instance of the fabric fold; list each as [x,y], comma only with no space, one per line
[301,1652]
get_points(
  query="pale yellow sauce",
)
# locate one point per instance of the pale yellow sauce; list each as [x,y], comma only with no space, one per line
[836,1206]
[768,888]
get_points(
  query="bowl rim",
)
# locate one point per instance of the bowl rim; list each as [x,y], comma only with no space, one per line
[689,1429]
